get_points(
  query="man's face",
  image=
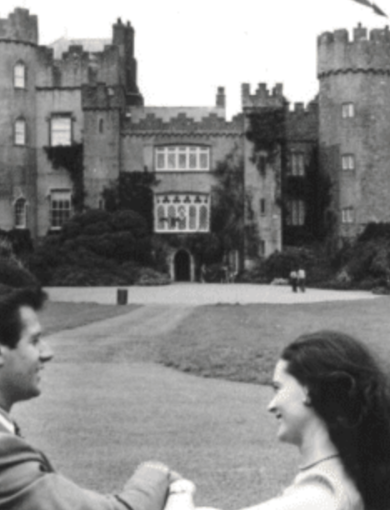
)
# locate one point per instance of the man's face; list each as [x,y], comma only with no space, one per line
[20,367]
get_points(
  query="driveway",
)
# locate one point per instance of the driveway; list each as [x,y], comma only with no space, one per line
[196,294]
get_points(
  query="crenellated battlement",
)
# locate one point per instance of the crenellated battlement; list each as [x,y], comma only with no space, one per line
[364,52]
[171,120]
[302,121]
[20,26]
[76,66]
[299,109]
[75,62]
[262,97]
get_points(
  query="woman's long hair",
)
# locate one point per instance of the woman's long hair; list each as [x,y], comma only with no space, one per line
[350,392]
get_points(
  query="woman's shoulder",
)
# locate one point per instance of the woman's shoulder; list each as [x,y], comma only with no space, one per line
[330,476]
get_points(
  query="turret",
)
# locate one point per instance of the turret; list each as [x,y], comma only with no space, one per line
[354,106]
[18,69]
[19,26]
[262,97]
[337,53]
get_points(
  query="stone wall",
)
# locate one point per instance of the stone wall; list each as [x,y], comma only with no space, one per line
[18,39]
[356,71]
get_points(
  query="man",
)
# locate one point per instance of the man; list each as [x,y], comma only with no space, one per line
[302,279]
[27,479]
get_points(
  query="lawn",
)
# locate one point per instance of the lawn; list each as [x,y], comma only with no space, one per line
[109,403]
[60,316]
[241,343]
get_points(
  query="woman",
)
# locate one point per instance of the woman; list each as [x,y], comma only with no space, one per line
[332,401]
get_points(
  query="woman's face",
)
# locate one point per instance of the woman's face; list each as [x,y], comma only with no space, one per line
[290,405]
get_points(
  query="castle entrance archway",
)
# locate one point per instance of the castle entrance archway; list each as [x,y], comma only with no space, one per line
[182,265]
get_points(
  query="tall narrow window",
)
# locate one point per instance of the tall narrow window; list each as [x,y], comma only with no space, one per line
[20,213]
[162,221]
[297,213]
[60,130]
[60,208]
[262,207]
[20,132]
[298,163]
[20,76]
[101,126]
[348,162]
[192,210]
[172,217]
[181,219]
[261,247]
[347,215]
[347,110]
[203,218]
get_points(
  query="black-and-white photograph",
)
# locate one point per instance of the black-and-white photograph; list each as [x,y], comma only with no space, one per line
[195,255]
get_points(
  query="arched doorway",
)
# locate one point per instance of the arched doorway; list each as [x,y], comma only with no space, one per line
[182,264]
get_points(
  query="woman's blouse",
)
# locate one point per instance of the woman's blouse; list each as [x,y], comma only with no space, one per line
[323,486]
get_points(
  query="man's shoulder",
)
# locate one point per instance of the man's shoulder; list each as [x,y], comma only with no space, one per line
[14,449]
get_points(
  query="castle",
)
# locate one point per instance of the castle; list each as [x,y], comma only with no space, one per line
[325,170]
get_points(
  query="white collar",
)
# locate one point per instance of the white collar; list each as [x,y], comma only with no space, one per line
[6,422]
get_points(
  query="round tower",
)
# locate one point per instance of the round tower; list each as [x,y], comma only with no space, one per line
[354,126]
[18,43]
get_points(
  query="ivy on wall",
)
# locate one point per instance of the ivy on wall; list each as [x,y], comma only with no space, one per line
[251,228]
[267,132]
[70,157]
[267,129]
[134,191]
[227,213]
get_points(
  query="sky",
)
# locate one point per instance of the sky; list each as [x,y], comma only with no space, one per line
[185,49]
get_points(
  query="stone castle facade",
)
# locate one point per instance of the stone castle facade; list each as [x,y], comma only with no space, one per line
[84,95]
[354,127]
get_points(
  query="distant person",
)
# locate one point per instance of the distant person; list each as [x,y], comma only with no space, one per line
[203,273]
[301,279]
[332,402]
[224,274]
[294,280]
[28,480]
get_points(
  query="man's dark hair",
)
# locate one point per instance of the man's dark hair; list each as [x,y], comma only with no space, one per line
[10,304]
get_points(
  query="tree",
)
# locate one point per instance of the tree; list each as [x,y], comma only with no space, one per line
[227,215]
[132,191]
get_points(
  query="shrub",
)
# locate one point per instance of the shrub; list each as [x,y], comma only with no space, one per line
[280,263]
[129,221]
[94,248]
[149,276]
[12,274]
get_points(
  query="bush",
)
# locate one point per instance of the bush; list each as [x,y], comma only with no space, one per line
[148,276]
[94,248]
[129,221]
[12,274]
[280,263]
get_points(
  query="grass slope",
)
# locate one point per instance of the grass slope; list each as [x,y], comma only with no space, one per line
[59,316]
[102,414]
[241,343]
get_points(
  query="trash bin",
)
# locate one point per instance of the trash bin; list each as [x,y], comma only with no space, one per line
[121,297]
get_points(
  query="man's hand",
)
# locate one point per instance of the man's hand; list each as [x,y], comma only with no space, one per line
[147,489]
